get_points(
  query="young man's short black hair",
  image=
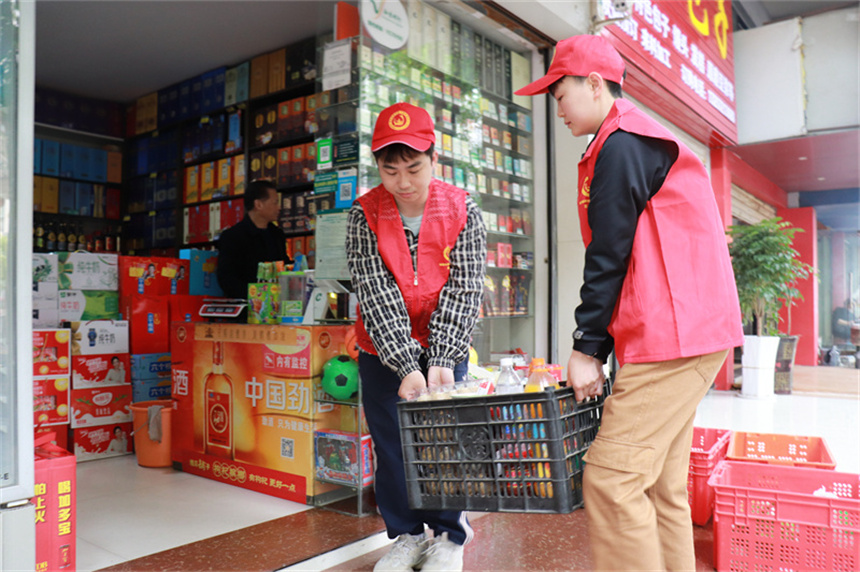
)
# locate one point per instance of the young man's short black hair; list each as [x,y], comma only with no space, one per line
[258,189]
[399,151]
[614,88]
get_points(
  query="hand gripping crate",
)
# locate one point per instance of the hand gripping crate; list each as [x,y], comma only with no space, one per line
[517,452]
[772,517]
[709,448]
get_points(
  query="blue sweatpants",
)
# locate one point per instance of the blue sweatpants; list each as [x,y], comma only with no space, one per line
[379,395]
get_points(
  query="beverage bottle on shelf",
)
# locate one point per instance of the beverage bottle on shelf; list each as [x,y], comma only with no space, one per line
[71,239]
[39,236]
[118,240]
[98,242]
[61,238]
[88,243]
[218,403]
[508,381]
[51,238]
[540,379]
[110,243]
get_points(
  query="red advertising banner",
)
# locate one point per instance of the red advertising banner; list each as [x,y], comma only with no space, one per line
[682,58]
[246,403]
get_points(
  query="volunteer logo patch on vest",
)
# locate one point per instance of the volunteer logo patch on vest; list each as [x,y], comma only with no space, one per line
[585,193]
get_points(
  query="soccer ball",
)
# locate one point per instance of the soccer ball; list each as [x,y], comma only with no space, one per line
[340,377]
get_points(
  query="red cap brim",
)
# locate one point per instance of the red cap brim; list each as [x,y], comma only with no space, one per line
[417,143]
[539,86]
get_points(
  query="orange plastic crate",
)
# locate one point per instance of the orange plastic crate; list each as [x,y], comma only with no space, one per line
[771,517]
[709,448]
[810,452]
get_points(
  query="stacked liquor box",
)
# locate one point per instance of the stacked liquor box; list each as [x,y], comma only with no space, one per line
[51,375]
[46,303]
[150,376]
[203,266]
[101,392]
[244,396]
[55,500]
[154,291]
[88,286]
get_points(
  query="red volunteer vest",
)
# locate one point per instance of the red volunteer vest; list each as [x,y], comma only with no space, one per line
[443,220]
[679,297]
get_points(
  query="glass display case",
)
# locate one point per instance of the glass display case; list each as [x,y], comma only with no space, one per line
[16,398]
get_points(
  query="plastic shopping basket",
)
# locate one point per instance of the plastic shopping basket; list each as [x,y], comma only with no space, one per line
[772,449]
[517,452]
[773,517]
[709,448]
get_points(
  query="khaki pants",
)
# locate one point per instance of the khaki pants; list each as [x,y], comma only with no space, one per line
[635,478]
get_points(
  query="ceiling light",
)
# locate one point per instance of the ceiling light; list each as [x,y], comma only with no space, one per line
[802,158]
[822,178]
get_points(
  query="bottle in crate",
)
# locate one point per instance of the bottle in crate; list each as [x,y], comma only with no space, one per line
[508,381]
[540,379]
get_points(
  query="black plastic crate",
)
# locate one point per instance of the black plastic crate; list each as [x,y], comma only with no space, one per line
[500,453]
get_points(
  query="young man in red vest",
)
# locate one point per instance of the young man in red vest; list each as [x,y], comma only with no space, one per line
[416,249]
[659,287]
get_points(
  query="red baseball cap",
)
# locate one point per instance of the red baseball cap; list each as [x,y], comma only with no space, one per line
[579,56]
[403,123]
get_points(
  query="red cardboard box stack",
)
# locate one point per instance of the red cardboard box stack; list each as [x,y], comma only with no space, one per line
[51,373]
[101,389]
[154,293]
[55,489]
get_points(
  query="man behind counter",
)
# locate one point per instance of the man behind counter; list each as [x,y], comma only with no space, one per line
[244,245]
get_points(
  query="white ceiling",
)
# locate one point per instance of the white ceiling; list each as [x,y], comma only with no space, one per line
[120,50]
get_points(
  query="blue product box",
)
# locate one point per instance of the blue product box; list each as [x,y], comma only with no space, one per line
[163,99]
[184,105]
[37,156]
[149,193]
[207,92]
[196,96]
[164,228]
[83,164]
[243,74]
[150,366]
[50,158]
[202,270]
[234,132]
[150,389]
[84,199]
[142,157]
[218,88]
[67,199]
[172,112]
[216,132]
[98,165]
[68,160]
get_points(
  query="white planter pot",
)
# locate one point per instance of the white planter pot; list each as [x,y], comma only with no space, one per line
[759,363]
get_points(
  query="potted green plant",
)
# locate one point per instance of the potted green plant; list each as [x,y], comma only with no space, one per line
[767,269]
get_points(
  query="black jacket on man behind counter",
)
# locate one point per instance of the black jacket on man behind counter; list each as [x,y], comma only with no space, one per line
[241,248]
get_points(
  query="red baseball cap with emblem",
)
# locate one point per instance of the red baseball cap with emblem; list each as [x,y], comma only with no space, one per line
[403,123]
[579,56]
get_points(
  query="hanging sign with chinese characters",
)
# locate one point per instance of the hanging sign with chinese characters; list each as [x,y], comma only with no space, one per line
[682,56]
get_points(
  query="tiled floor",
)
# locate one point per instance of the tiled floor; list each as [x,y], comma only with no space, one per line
[126,512]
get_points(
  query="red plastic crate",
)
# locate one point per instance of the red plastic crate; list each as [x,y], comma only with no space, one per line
[792,450]
[771,517]
[709,448]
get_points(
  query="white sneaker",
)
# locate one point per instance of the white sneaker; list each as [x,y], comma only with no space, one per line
[443,556]
[404,554]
